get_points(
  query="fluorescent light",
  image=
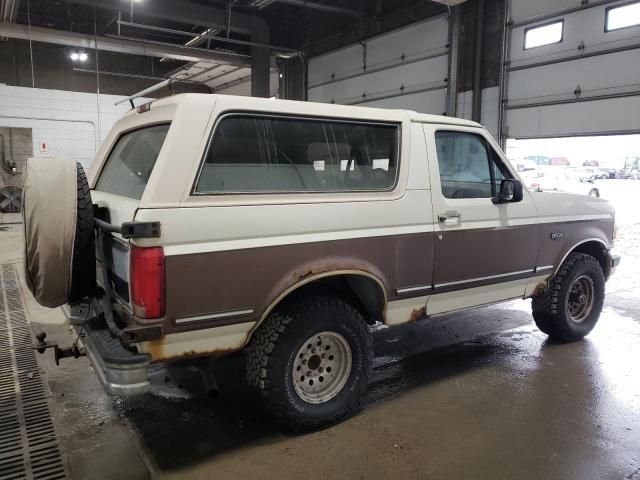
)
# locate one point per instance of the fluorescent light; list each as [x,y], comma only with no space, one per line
[543,35]
[623,17]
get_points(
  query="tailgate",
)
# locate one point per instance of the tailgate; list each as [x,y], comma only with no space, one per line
[118,210]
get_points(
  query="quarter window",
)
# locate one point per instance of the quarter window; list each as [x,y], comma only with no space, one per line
[622,17]
[259,154]
[543,35]
[131,161]
[468,167]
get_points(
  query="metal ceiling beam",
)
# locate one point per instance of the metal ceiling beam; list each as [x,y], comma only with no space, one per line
[205,35]
[129,46]
[192,14]
[450,3]
[313,5]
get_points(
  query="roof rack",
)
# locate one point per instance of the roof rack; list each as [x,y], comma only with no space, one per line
[170,83]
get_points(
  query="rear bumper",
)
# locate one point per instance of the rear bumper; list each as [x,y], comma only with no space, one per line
[120,371]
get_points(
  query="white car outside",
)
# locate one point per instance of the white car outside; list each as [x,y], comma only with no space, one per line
[561,179]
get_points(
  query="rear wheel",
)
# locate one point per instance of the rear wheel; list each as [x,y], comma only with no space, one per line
[83,277]
[569,309]
[594,192]
[311,361]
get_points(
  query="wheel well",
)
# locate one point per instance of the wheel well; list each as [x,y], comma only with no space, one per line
[362,292]
[597,250]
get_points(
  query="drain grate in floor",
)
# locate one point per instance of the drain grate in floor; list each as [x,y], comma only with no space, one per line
[28,443]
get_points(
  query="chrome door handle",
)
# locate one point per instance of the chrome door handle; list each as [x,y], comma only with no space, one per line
[450,217]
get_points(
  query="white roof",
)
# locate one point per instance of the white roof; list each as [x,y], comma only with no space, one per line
[313,108]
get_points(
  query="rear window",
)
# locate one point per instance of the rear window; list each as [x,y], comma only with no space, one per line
[131,161]
[259,154]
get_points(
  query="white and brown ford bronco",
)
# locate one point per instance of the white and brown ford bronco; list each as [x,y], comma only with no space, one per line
[286,229]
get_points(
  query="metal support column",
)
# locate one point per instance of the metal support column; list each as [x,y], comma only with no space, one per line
[476,109]
[504,56]
[454,51]
[260,74]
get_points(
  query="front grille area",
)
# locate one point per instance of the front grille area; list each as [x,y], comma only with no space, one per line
[29,446]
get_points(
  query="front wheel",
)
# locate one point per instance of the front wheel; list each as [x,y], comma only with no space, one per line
[594,192]
[311,362]
[570,307]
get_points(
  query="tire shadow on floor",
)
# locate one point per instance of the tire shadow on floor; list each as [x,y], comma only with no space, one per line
[185,425]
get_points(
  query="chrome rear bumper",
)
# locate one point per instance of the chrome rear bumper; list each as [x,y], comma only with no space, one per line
[121,371]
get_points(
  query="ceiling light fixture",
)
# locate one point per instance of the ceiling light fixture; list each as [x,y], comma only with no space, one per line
[79,56]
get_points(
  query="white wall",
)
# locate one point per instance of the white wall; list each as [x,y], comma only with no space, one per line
[67,121]
[490,105]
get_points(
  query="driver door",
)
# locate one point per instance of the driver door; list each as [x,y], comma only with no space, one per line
[484,252]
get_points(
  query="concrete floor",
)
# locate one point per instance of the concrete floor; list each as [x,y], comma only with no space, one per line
[478,394]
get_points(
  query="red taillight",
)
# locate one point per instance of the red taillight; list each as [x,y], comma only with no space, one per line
[147,281]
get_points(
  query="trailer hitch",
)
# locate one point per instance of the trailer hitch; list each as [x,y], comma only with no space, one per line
[58,353]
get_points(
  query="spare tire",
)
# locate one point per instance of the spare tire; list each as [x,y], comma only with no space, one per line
[60,265]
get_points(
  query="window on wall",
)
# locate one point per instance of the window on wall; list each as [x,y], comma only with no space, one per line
[622,17]
[543,34]
[469,168]
[260,154]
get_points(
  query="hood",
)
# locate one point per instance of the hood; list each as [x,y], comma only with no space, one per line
[571,205]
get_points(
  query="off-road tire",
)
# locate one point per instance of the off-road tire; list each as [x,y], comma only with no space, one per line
[83,273]
[274,348]
[550,310]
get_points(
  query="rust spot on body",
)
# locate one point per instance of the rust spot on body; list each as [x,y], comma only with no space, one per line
[417,314]
[327,267]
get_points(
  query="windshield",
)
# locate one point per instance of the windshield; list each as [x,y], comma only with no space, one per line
[131,161]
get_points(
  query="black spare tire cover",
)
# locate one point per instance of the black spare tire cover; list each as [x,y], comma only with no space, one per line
[58,232]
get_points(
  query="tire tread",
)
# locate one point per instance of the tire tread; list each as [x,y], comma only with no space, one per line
[266,339]
[548,309]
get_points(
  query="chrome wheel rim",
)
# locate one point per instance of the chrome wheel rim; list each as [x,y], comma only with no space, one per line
[322,367]
[581,298]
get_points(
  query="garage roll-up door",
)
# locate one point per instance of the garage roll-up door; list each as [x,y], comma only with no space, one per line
[405,68]
[586,82]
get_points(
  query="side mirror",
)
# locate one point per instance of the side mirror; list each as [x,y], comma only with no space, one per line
[510,191]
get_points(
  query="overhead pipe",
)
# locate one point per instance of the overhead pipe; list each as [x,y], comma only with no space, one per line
[120,45]
[117,74]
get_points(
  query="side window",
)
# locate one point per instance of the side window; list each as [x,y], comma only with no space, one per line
[259,154]
[469,168]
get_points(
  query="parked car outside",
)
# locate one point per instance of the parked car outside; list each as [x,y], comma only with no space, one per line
[561,179]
